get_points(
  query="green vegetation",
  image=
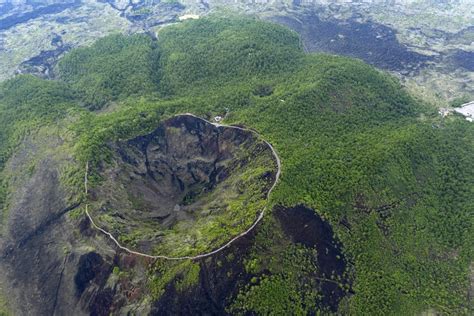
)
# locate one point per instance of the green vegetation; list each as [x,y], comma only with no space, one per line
[189,278]
[112,68]
[460,101]
[292,288]
[207,53]
[272,296]
[274,259]
[181,274]
[4,308]
[26,105]
[354,146]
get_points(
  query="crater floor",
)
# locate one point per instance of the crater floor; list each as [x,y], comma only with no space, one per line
[184,189]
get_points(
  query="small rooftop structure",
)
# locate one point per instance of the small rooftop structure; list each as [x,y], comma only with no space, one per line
[467,110]
[188,16]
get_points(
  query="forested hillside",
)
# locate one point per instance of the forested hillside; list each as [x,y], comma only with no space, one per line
[393,180]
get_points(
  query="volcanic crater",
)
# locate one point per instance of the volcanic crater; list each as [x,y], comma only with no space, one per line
[186,188]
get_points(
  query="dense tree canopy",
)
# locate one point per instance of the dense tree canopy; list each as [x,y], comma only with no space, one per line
[394,180]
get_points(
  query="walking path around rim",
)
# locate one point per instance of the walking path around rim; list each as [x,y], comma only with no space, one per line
[259,218]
